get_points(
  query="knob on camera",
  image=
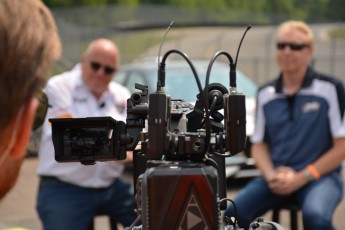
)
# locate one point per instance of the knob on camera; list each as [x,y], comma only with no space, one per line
[260,224]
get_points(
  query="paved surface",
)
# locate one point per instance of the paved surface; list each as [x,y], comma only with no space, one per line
[18,207]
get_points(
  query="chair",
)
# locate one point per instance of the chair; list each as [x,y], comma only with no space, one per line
[293,208]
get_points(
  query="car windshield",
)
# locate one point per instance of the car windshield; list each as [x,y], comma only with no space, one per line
[180,82]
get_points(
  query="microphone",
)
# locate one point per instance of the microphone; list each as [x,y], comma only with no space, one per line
[215,96]
[233,66]
[161,65]
[215,102]
[102,105]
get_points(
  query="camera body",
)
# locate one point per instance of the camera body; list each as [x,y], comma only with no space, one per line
[179,178]
[179,165]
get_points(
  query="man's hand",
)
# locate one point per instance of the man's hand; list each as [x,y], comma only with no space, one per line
[286,181]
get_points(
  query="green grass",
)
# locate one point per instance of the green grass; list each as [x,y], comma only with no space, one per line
[132,44]
[337,33]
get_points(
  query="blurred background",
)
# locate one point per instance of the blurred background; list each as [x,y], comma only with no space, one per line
[201,28]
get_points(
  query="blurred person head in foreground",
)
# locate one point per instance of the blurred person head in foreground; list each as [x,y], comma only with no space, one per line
[29,43]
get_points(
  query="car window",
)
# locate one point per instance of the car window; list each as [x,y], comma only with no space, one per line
[129,78]
[180,82]
[135,77]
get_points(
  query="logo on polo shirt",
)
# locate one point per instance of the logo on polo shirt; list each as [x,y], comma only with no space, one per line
[79,100]
[311,107]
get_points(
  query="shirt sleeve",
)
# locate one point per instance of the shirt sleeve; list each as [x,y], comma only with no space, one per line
[259,129]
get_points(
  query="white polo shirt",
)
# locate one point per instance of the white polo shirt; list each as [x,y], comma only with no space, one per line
[69,97]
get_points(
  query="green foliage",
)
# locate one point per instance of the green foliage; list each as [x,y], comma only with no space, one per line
[338,33]
[129,44]
[199,4]
[308,10]
[73,3]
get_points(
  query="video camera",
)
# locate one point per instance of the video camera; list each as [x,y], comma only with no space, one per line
[179,166]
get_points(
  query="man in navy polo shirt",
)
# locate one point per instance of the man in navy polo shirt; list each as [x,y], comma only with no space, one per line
[299,137]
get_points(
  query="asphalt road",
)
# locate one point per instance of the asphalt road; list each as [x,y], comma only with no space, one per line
[17,209]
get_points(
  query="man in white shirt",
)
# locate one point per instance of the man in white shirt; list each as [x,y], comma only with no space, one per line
[71,194]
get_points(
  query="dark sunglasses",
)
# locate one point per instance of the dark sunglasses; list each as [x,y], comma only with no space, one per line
[292,46]
[41,111]
[107,70]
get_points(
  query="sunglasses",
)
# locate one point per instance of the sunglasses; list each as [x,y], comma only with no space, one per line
[292,46]
[107,70]
[41,111]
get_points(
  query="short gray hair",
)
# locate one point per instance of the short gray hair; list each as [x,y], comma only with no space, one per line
[29,43]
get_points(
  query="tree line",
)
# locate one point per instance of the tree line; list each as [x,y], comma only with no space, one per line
[307,10]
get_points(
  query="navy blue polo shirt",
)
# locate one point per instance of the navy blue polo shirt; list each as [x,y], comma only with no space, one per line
[300,128]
